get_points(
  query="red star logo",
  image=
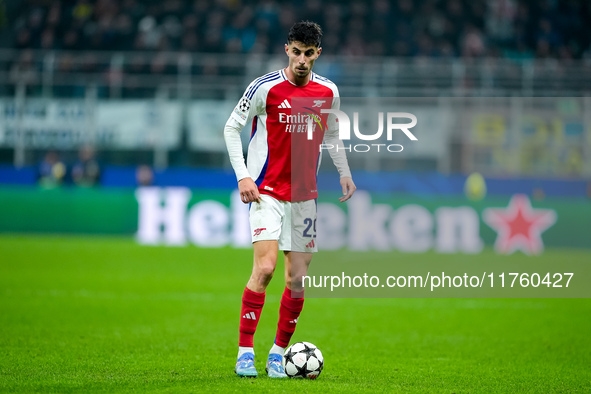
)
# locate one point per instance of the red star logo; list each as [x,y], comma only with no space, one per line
[519,226]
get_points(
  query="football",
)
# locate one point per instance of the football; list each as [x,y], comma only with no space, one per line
[303,360]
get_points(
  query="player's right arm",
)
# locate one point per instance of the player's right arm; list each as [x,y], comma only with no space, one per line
[249,192]
[244,111]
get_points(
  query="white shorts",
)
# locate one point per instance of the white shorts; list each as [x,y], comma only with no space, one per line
[292,224]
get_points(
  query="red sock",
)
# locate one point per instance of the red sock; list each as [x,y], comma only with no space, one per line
[289,312]
[252,305]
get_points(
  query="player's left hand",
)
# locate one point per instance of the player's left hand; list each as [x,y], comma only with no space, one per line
[348,188]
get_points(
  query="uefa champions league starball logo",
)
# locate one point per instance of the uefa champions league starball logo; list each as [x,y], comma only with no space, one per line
[244,104]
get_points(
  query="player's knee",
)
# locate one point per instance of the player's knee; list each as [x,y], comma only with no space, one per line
[295,282]
[265,271]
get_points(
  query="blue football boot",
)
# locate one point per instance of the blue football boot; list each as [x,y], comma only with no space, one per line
[275,366]
[245,366]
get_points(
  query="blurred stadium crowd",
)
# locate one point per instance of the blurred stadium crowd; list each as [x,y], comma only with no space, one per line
[515,29]
[189,54]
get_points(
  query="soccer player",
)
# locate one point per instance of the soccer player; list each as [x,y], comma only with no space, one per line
[282,197]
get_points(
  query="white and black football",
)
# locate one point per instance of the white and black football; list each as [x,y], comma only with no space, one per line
[303,360]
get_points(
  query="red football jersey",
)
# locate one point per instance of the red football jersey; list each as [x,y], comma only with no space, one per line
[282,160]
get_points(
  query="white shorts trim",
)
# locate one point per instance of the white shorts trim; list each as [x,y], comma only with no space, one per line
[291,224]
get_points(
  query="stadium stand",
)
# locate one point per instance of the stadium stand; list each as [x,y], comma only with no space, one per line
[513,29]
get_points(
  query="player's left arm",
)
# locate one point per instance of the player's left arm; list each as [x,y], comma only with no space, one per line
[337,153]
[348,188]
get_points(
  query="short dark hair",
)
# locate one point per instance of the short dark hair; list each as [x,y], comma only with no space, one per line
[306,32]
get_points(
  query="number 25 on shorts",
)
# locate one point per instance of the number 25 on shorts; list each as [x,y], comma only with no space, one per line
[310,230]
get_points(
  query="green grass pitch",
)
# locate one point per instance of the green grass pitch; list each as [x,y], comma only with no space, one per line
[105,314]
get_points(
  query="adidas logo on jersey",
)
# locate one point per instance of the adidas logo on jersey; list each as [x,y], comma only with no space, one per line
[310,244]
[250,315]
[284,104]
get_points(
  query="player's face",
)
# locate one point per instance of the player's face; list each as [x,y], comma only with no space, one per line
[301,58]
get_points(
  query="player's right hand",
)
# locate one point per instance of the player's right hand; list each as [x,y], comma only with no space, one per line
[249,191]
